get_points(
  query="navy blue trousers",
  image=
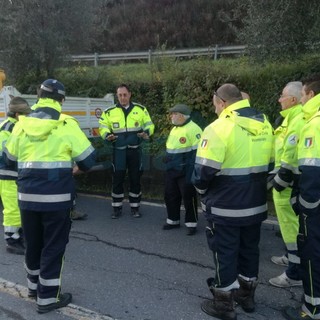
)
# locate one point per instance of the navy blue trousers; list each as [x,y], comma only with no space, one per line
[127,161]
[235,251]
[46,236]
[309,250]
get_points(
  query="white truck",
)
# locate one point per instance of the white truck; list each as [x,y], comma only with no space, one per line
[86,110]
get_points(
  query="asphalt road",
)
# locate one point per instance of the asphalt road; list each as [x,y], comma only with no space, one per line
[132,269]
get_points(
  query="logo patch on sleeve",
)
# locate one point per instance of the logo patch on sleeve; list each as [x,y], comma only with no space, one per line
[308,142]
[204,143]
[182,140]
[293,140]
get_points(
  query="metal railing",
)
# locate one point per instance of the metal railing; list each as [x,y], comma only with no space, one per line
[213,52]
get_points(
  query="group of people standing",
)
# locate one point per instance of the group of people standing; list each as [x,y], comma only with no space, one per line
[230,165]
[239,157]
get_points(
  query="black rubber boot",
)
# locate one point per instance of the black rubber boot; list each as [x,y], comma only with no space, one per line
[295,314]
[63,301]
[244,296]
[221,306]
[135,212]
[15,246]
[117,211]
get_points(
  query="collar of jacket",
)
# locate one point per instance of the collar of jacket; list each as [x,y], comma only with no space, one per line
[311,107]
[286,112]
[228,111]
[12,120]
[47,103]
[183,124]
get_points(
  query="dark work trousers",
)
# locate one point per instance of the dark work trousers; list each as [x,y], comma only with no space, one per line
[127,160]
[177,189]
[46,236]
[309,250]
[235,252]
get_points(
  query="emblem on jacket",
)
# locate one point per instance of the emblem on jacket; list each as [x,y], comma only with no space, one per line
[308,142]
[115,125]
[293,139]
[182,140]
[136,124]
[204,143]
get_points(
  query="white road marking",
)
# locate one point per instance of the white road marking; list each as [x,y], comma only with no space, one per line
[72,310]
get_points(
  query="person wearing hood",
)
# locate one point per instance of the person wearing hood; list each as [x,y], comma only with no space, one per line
[8,187]
[306,202]
[233,159]
[44,147]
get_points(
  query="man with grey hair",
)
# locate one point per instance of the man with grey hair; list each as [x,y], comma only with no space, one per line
[231,168]
[287,173]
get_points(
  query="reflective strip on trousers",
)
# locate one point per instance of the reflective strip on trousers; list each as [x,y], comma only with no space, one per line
[240,212]
[41,198]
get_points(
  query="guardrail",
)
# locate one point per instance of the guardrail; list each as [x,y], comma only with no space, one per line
[212,52]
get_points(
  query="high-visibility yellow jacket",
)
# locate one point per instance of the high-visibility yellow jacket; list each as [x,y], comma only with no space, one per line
[45,147]
[286,151]
[181,148]
[125,123]
[308,201]
[232,163]
[6,127]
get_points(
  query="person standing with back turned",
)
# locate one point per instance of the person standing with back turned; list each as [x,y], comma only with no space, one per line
[126,125]
[45,147]
[231,168]
[306,203]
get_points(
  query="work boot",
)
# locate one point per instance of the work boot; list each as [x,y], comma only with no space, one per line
[135,212]
[78,215]
[117,211]
[210,283]
[15,246]
[245,294]
[32,294]
[168,226]
[191,231]
[64,300]
[221,306]
[295,314]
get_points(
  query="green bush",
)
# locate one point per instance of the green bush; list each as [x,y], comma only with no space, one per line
[167,81]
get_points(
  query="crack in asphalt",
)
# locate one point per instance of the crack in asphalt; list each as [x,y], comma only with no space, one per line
[93,238]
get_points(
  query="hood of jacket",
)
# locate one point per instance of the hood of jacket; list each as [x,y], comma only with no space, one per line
[38,128]
[39,123]
[254,122]
[311,107]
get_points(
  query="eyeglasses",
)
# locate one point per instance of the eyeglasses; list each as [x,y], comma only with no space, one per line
[216,94]
[284,97]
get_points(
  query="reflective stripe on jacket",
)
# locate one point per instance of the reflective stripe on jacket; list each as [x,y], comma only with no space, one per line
[286,152]
[45,149]
[233,158]
[181,147]
[125,123]
[308,200]
[6,128]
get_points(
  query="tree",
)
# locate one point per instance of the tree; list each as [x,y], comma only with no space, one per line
[128,25]
[36,34]
[278,29]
